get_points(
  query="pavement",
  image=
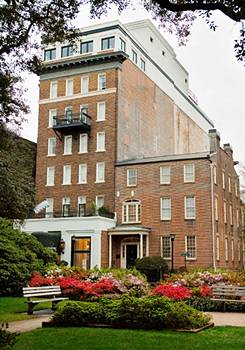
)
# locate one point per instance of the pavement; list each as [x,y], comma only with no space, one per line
[219,318]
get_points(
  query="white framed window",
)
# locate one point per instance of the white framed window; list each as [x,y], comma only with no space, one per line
[216,208]
[86,47]
[215,174]
[165,175]
[49,210]
[142,64]
[223,180]
[66,206]
[84,113]
[67,51]
[69,87]
[166,247]
[53,89]
[67,144]
[122,45]
[51,146]
[239,250]
[232,250]
[131,177]
[83,143]
[50,54]
[217,248]
[134,56]
[190,207]
[82,174]
[229,183]
[99,201]
[225,212]
[231,214]
[84,85]
[100,141]
[237,218]
[51,115]
[226,250]
[50,176]
[81,206]
[108,43]
[68,114]
[100,111]
[189,173]
[236,189]
[131,211]
[66,174]
[100,172]
[190,247]
[102,81]
[165,205]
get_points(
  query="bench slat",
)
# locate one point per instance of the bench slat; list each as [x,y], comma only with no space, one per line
[29,295]
[43,287]
[44,300]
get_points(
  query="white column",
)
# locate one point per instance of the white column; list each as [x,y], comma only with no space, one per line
[147,245]
[110,250]
[141,245]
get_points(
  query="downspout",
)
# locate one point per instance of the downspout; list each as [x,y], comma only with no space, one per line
[212,209]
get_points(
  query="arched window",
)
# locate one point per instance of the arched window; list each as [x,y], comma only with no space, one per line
[131,211]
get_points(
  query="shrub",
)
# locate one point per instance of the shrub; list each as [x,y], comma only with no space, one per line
[20,255]
[130,312]
[172,291]
[7,339]
[152,266]
[206,304]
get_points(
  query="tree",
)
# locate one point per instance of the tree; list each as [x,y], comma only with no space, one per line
[25,23]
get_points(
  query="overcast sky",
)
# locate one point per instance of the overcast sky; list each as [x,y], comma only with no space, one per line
[216,77]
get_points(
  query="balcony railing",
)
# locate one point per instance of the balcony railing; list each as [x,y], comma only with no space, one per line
[70,214]
[72,122]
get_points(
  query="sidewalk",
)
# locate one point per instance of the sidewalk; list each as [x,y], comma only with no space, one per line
[31,324]
[236,319]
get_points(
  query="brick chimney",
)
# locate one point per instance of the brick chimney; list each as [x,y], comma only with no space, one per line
[214,138]
[228,149]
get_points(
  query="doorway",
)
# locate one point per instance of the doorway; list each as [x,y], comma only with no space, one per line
[129,253]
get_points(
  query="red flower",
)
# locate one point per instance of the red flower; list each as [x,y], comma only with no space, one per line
[205,291]
[37,280]
[172,291]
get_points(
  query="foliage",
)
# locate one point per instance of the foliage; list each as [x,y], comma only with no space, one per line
[7,339]
[20,254]
[152,266]
[172,291]
[207,304]
[17,166]
[130,312]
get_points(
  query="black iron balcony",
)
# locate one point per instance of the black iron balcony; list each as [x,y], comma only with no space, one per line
[72,122]
[72,214]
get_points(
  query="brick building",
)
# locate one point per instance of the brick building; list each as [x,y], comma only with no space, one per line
[125,156]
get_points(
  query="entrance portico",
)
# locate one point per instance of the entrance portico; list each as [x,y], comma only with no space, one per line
[126,244]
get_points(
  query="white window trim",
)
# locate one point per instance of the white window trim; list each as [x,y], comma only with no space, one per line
[97,142]
[229,184]
[81,84]
[47,177]
[189,258]
[216,208]
[65,138]
[226,249]
[137,203]
[80,144]
[185,179]
[86,174]
[232,250]
[223,180]
[136,176]
[162,238]
[72,93]
[96,201]
[49,213]
[193,217]
[52,82]
[98,82]
[67,166]
[225,211]
[50,125]
[161,209]
[215,174]
[217,247]
[97,114]
[51,154]
[165,183]
[97,172]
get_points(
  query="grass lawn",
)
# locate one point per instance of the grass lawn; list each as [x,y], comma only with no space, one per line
[226,338]
[13,308]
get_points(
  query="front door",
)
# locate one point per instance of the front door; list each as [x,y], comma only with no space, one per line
[131,255]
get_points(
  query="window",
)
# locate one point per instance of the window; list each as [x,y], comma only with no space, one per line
[122,45]
[86,47]
[239,250]
[81,252]
[66,175]
[101,82]
[53,89]
[49,54]
[216,208]
[189,173]
[82,174]
[231,215]
[108,43]
[99,202]
[166,247]
[165,175]
[69,87]
[142,64]
[223,180]
[131,177]
[232,250]
[66,206]
[68,144]
[100,172]
[68,114]
[237,218]
[83,144]
[100,111]
[190,207]
[84,113]
[226,249]
[131,211]
[215,174]
[217,248]
[236,189]
[190,247]
[66,51]
[84,85]
[50,176]
[100,141]
[225,212]
[49,208]
[81,206]
[134,56]
[165,208]
[229,183]
[51,146]
[51,117]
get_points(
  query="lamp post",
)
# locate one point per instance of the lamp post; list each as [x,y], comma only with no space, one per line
[172,237]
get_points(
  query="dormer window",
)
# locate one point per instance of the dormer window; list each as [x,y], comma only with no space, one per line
[49,54]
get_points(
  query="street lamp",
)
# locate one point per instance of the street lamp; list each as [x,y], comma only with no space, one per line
[172,237]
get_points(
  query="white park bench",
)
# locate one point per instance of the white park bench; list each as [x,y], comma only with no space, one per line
[228,294]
